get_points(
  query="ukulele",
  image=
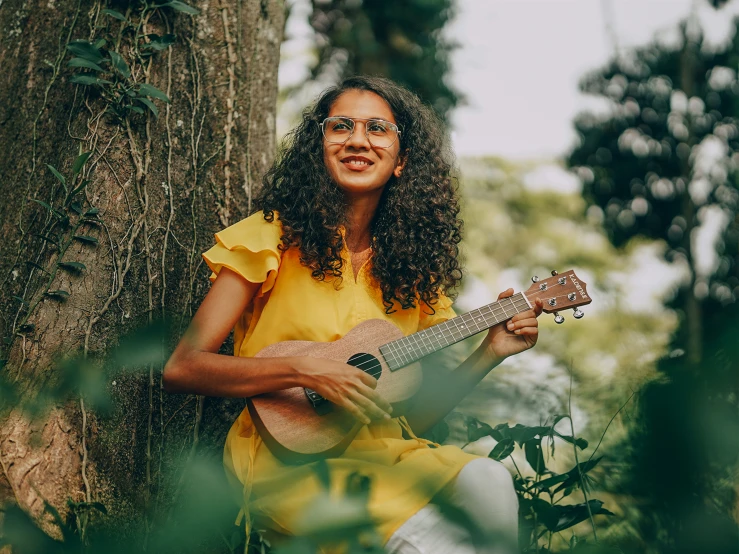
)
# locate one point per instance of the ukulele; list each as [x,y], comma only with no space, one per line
[298,425]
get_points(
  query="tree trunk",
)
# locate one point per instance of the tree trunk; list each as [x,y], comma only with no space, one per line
[161,186]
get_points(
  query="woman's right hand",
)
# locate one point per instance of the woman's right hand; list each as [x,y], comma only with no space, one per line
[344,385]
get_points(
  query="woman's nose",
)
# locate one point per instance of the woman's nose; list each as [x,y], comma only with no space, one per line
[359,137]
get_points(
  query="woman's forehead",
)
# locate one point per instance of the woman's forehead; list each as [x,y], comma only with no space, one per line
[362,104]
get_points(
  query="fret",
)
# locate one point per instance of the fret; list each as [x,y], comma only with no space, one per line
[427,341]
[440,335]
[418,339]
[480,320]
[471,321]
[457,329]
[407,358]
[410,347]
[398,352]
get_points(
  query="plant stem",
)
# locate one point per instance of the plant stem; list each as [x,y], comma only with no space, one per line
[577,460]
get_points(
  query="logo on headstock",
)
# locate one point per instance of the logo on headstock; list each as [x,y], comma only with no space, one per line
[578,287]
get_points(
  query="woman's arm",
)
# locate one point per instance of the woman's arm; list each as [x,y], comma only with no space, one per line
[441,391]
[195,366]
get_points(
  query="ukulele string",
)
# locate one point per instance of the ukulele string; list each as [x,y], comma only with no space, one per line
[376,365]
[373,367]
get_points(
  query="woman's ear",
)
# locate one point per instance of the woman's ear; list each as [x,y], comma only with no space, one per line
[402,158]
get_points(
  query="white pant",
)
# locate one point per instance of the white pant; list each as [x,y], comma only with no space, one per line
[483,494]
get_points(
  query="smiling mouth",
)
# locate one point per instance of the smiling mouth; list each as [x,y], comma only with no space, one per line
[356,164]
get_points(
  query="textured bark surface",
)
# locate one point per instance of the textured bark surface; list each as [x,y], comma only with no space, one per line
[162,186]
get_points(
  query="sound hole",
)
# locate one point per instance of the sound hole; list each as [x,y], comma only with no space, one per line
[367,363]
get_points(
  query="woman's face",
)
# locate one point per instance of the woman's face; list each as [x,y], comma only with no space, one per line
[357,166]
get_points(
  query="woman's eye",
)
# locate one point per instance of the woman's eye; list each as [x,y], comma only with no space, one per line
[377,127]
[341,126]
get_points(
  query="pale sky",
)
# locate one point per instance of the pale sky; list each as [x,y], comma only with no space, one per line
[519,63]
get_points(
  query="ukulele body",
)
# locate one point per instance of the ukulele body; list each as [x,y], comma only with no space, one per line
[294,429]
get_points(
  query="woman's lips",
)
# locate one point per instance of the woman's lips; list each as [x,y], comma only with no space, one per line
[357,164]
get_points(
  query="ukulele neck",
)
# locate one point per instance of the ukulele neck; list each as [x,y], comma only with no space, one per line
[402,352]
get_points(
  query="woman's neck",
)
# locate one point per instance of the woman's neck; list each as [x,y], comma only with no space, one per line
[360,213]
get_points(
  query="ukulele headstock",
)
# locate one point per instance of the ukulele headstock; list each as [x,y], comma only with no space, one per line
[559,292]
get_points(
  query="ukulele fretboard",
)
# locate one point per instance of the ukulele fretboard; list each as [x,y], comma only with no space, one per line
[399,353]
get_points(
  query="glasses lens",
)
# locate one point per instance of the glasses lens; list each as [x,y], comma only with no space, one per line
[337,129]
[381,133]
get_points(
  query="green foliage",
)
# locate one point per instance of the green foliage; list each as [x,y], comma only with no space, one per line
[540,513]
[59,230]
[402,41]
[112,65]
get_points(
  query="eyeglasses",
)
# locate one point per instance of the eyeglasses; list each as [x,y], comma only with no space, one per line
[379,133]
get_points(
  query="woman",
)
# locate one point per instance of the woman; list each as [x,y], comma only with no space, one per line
[358,221]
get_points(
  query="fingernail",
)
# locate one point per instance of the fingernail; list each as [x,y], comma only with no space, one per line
[387,416]
[510,325]
[517,331]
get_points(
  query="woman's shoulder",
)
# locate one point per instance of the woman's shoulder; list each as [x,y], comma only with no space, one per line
[253,232]
[249,248]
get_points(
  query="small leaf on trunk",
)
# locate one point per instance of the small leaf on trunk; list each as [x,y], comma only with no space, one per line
[146,89]
[120,64]
[114,14]
[149,104]
[58,175]
[80,162]
[85,64]
[85,50]
[21,300]
[86,239]
[87,80]
[73,266]
[35,265]
[181,7]
[60,294]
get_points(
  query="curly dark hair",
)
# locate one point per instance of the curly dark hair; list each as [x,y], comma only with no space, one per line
[416,230]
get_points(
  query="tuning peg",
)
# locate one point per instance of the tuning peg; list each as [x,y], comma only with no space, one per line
[578,313]
[554,272]
[558,319]
[534,279]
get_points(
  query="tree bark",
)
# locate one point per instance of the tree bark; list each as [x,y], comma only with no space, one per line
[162,186]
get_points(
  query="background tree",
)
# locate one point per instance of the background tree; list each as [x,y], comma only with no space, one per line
[401,41]
[662,164]
[129,133]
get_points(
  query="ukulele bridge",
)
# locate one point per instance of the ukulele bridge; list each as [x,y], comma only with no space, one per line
[319,403]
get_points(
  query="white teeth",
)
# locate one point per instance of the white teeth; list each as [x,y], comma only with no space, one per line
[357,162]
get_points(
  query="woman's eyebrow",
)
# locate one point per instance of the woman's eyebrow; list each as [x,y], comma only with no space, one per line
[362,118]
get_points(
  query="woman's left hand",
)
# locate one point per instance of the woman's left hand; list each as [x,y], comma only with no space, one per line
[515,335]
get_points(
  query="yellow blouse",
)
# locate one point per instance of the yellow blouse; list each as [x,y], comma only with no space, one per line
[291,305]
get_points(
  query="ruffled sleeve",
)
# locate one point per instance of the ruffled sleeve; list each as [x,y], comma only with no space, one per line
[442,311]
[249,248]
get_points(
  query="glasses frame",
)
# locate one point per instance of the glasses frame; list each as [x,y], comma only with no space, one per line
[366,133]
